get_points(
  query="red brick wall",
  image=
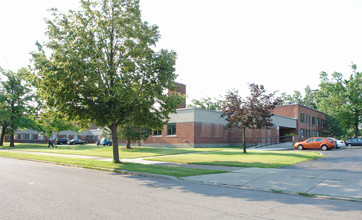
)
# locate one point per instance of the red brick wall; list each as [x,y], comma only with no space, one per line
[208,133]
[184,134]
[290,111]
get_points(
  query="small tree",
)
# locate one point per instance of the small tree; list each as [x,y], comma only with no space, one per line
[254,112]
[133,133]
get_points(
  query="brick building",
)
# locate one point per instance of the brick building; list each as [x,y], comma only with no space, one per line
[194,127]
[310,122]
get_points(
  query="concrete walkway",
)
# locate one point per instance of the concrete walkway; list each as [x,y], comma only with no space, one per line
[334,184]
[321,183]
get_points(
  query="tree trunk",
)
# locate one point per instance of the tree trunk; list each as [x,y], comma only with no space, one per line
[128,144]
[3,131]
[244,141]
[12,138]
[115,143]
[356,130]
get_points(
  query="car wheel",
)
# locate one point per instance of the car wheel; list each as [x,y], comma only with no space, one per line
[300,147]
[324,147]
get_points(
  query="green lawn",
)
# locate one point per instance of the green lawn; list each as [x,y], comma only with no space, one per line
[110,166]
[101,151]
[235,157]
[207,156]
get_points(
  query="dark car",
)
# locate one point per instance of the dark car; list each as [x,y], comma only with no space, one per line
[77,141]
[105,142]
[62,140]
[354,142]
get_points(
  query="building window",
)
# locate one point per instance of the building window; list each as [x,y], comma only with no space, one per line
[313,120]
[157,133]
[90,138]
[35,136]
[317,133]
[171,129]
[313,133]
[317,121]
[301,117]
[26,136]
[302,133]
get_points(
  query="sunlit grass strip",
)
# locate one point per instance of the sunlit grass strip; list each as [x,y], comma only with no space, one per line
[110,166]
[261,159]
[107,151]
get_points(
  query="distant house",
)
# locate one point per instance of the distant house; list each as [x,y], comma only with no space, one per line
[91,135]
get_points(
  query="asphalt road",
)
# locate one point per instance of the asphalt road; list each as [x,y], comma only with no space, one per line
[32,190]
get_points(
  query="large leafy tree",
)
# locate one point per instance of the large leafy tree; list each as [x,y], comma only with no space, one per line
[5,113]
[253,112]
[16,107]
[342,98]
[103,66]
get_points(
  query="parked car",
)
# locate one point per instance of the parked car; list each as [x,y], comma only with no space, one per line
[77,141]
[315,143]
[333,139]
[62,140]
[105,142]
[354,142]
[340,143]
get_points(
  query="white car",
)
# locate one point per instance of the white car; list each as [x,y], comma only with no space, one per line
[340,143]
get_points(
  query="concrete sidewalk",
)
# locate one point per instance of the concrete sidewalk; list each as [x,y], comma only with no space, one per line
[333,184]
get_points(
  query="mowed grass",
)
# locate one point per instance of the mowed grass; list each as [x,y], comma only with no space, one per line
[104,151]
[235,157]
[110,166]
[203,156]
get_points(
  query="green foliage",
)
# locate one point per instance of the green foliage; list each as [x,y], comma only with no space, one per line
[308,100]
[133,133]
[206,103]
[16,103]
[342,99]
[254,112]
[103,68]
[51,121]
[339,98]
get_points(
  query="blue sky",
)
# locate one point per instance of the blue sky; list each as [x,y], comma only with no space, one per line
[221,45]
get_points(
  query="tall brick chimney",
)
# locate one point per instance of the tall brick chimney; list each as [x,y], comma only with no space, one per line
[181,88]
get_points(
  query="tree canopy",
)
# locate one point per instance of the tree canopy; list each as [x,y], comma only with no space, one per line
[340,98]
[16,103]
[103,67]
